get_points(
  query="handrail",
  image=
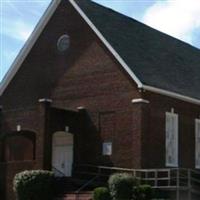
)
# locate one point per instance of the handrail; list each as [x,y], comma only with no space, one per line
[195,180]
[86,184]
[176,178]
[90,181]
[195,171]
[57,170]
[128,169]
[140,170]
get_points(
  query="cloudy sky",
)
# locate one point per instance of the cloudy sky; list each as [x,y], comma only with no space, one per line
[178,18]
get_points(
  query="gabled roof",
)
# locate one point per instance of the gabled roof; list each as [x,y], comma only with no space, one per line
[155,61]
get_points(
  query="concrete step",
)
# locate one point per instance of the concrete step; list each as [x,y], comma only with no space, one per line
[65,185]
[74,196]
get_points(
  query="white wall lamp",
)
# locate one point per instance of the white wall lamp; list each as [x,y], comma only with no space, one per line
[18,128]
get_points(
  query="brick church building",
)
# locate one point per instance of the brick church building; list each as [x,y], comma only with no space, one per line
[92,87]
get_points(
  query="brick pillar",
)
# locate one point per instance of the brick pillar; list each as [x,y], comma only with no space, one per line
[43,154]
[1,119]
[2,167]
[140,126]
[1,132]
[79,137]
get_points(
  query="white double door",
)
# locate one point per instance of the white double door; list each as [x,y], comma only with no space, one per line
[62,159]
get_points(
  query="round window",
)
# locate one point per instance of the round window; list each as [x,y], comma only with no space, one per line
[63,43]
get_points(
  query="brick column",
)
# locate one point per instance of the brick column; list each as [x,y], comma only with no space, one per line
[1,107]
[79,137]
[1,132]
[2,167]
[43,154]
[140,126]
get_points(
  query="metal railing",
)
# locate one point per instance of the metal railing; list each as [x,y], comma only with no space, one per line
[168,179]
[86,184]
[176,179]
[57,172]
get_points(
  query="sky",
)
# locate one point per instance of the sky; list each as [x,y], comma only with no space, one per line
[178,18]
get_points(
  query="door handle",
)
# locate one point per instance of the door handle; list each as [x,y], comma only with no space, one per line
[63,165]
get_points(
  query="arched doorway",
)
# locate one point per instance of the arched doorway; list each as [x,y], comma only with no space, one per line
[62,153]
[19,146]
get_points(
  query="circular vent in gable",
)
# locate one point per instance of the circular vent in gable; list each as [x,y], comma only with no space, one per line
[63,43]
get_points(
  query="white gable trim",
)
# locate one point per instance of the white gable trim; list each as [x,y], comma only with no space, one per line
[38,30]
[172,94]
[140,100]
[106,43]
[28,45]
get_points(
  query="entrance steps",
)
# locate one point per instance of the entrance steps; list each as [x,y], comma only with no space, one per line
[65,184]
[86,195]
[72,188]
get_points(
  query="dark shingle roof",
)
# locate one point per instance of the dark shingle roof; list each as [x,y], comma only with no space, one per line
[156,59]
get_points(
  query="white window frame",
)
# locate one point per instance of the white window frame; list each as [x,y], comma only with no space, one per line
[197,143]
[171,140]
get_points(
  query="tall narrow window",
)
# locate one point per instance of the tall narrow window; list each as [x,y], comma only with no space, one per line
[197,143]
[171,140]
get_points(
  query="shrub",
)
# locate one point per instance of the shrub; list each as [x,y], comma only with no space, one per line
[142,192]
[33,185]
[121,186]
[101,193]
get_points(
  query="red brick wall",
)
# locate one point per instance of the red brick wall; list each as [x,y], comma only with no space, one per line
[12,168]
[19,148]
[30,120]
[154,138]
[97,82]
[87,75]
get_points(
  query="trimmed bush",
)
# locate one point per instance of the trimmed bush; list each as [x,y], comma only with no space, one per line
[101,193]
[121,186]
[142,192]
[33,185]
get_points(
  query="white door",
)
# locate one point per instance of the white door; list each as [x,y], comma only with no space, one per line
[68,156]
[62,159]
